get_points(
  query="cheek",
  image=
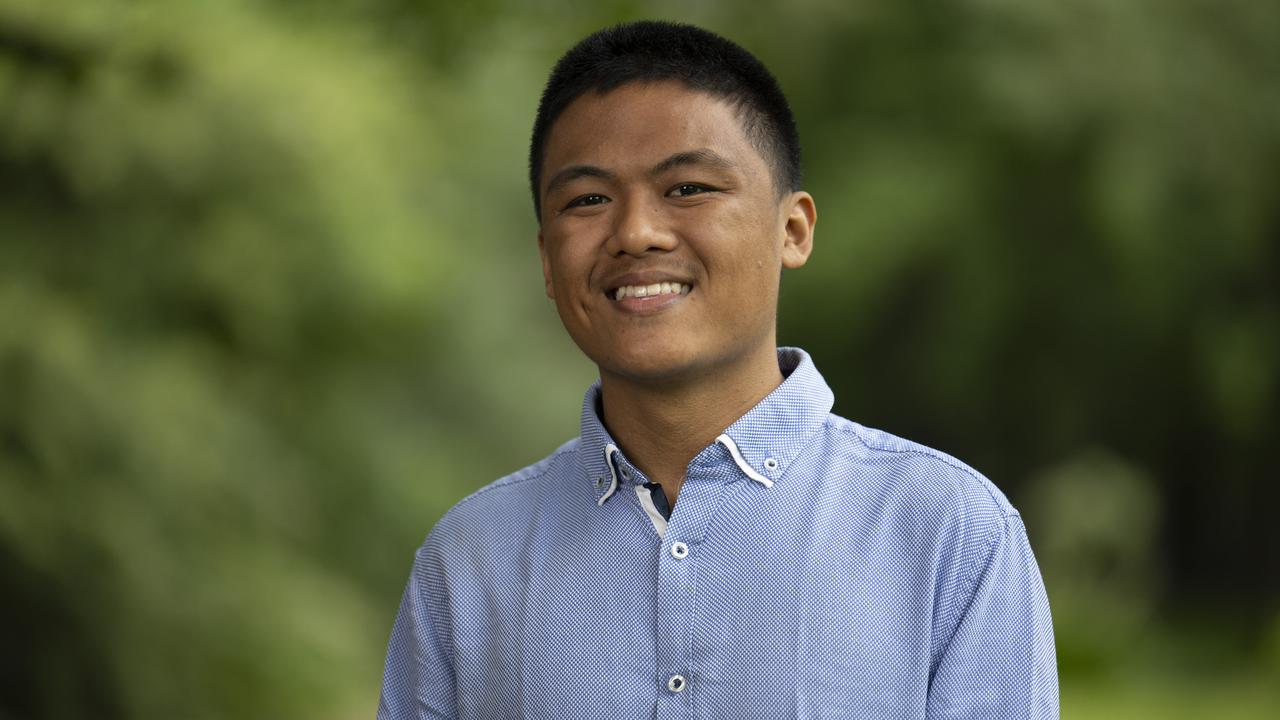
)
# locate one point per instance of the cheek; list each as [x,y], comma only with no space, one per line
[573,256]
[570,276]
[562,265]
[750,250]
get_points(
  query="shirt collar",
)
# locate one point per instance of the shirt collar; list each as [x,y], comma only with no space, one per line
[762,443]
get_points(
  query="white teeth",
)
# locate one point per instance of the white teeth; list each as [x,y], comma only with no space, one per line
[639,291]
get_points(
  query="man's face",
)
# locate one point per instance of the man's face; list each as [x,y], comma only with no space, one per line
[663,237]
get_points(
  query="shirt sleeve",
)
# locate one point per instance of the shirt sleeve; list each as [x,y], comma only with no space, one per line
[999,661]
[418,681]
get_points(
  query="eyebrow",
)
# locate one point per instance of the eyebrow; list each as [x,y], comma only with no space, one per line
[573,172]
[701,156]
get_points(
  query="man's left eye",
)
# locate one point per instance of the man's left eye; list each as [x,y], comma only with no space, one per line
[687,189]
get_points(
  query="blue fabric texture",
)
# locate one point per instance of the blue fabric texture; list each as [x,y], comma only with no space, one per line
[857,575]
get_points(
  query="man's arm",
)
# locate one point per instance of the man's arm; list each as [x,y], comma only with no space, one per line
[418,681]
[998,662]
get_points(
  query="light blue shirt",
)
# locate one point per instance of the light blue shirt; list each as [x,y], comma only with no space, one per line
[811,568]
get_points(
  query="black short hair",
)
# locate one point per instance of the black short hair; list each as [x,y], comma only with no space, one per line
[649,51]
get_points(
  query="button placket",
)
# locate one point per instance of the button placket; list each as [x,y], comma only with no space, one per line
[678,610]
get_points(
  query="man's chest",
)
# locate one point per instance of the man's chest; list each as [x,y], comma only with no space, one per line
[781,619]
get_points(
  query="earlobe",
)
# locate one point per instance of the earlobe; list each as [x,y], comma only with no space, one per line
[546,267]
[797,242]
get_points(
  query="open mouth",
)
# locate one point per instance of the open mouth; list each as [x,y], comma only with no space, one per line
[645,291]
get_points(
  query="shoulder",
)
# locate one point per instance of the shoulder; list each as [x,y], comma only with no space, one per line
[929,504]
[931,484]
[507,503]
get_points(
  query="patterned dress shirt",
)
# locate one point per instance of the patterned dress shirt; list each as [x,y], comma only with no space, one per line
[811,568]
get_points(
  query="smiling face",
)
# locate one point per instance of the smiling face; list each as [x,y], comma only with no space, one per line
[663,235]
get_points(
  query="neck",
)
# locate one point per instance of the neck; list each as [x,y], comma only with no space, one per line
[661,426]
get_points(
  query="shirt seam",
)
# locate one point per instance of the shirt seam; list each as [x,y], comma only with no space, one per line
[806,442]
[994,532]
[533,472]
[980,562]
[536,471]
[838,424]
[976,568]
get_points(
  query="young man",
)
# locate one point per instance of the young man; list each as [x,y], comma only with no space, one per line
[715,543]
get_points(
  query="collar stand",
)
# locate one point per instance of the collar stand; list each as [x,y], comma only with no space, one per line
[761,443]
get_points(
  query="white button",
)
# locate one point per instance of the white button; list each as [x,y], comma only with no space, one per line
[676,683]
[678,551]
[770,464]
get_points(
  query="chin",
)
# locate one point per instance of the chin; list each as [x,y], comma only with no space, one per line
[652,365]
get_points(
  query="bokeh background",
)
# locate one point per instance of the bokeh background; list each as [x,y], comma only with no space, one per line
[270,304]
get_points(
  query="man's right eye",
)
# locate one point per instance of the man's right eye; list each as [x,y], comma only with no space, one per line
[586,200]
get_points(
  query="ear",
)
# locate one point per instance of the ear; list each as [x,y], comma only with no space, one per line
[797,241]
[546,266]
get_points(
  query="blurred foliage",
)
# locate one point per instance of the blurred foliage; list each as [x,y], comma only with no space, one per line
[1096,524]
[269,304]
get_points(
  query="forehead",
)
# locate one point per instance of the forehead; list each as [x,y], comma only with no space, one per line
[638,125]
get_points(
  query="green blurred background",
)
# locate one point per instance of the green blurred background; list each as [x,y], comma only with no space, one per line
[270,303]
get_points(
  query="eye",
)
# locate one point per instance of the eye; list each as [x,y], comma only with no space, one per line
[586,200]
[687,190]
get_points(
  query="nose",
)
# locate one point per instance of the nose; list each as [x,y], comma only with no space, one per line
[639,227]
